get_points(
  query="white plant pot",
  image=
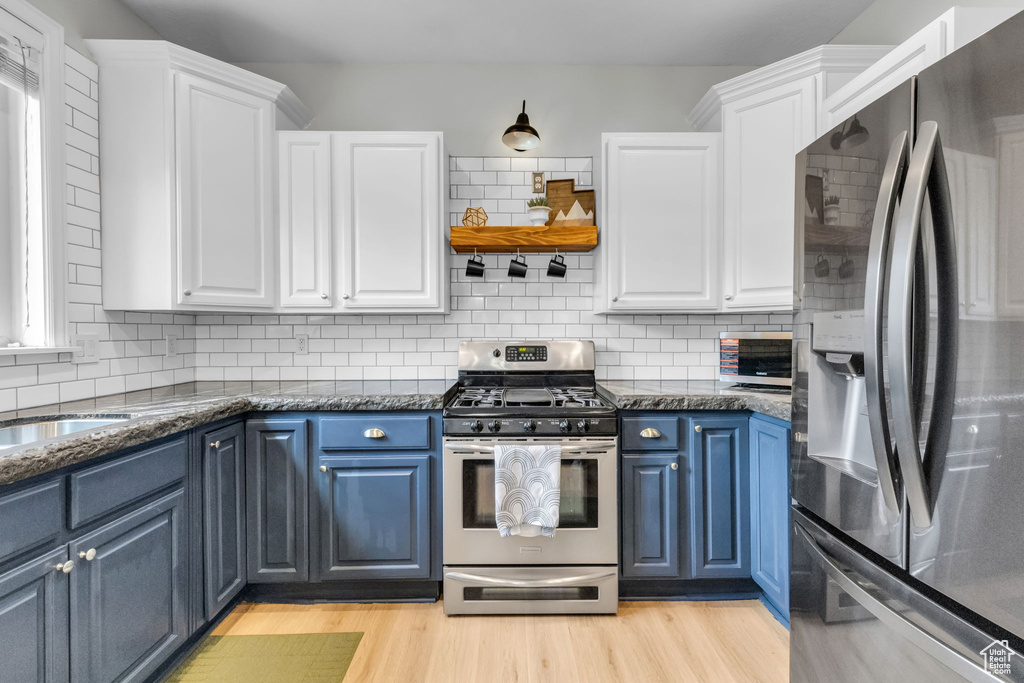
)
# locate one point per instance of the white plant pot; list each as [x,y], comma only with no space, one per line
[539,214]
[832,214]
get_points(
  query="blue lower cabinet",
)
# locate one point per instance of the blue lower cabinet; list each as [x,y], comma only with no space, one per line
[277,500]
[720,500]
[375,516]
[769,530]
[223,516]
[128,594]
[34,620]
[651,507]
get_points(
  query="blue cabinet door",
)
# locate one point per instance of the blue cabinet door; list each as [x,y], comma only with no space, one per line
[769,504]
[375,516]
[223,516]
[720,501]
[128,602]
[277,514]
[651,516]
[34,621]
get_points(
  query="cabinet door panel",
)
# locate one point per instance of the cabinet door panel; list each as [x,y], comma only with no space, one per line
[305,223]
[720,502]
[224,140]
[763,134]
[223,516]
[769,502]
[662,221]
[650,516]
[375,517]
[276,494]
[388,212]
[128,604]
[34,621]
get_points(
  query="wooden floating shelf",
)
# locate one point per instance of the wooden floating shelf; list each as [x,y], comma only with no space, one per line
[535,239]
[831,237]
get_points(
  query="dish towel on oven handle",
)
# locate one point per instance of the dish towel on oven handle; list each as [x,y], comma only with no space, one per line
[526,489]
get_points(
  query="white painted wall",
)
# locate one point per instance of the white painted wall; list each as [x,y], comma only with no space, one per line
[473,104]
[890,22]
[95,19]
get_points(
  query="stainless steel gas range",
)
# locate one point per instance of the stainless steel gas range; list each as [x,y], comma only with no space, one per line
[530,393]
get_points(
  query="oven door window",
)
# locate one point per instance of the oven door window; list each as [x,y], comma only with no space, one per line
[577,499]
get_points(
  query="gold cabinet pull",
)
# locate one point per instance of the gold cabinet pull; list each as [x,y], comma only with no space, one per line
[215,444]
[66,567]
[88,555]
[323,468]
[374,433]
[650,433]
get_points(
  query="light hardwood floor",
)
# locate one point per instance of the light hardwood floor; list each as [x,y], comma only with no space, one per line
[647,642]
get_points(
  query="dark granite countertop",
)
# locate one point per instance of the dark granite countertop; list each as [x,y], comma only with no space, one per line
[157,413]
[698,395]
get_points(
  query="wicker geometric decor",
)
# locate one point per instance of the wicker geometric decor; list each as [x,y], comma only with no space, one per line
[475,217]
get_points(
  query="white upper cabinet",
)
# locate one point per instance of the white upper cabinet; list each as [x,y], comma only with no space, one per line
[950,31]
[225,181]
[188,178]
[304,205]
[765,118]
[662,216]
[389,207]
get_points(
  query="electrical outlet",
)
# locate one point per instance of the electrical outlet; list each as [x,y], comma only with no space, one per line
[302,345]
[88,348]
[538,183]
[171,347]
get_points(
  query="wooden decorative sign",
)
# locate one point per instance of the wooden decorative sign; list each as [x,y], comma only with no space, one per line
[562,194]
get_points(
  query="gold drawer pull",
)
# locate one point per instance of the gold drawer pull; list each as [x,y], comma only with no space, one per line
[650,433]
[374,433]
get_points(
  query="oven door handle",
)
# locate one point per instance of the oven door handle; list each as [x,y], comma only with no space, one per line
[474,448]
[582,579]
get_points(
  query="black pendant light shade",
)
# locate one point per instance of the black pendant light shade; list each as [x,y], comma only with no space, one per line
[850,137]
[521,136]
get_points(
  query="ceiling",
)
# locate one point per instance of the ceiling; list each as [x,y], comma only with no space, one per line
[648,32]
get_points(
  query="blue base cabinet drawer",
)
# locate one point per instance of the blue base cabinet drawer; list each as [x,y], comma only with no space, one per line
[375,516]
[651,433]
[31,517]
[103,489]
[374,431]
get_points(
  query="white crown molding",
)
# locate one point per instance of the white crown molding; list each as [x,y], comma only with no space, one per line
[163,53]
[814,61]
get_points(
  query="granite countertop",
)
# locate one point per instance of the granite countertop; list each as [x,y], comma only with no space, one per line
[156,413]
[698,395]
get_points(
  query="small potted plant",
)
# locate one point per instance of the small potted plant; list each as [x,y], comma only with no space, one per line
[539,210]
[832,209]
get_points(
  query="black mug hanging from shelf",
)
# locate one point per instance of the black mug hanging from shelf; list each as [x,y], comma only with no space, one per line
[517,266]
[822,267]
[846,268]
[475,266]
[556,266]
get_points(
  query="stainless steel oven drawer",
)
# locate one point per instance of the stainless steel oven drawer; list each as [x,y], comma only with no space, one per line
[531,590]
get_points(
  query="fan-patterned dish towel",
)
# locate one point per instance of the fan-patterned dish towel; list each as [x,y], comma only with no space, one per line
[526,489]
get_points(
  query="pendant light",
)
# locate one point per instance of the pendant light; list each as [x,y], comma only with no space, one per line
[848,138]
[521,136]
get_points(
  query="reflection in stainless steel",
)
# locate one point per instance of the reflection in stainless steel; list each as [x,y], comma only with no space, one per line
[23,434]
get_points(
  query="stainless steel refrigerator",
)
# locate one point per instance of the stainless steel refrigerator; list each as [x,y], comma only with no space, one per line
[907,541]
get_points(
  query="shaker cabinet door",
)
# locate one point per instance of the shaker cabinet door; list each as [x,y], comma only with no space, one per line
[128,602]
[223,516]
[34,620]
[388,207]
[225,181]
[374,516]
[651,533]
[277,516]
[304,205]
[662,220]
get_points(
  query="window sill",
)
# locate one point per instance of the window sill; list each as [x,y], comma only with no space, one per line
[35,350]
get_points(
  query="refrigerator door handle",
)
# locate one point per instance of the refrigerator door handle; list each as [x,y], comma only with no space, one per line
[925,174]
[865,592]
[893,177]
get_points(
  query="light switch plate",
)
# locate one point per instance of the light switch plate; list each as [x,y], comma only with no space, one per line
[538,183]
[87,350]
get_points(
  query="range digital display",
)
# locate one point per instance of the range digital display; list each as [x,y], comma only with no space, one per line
[526,354]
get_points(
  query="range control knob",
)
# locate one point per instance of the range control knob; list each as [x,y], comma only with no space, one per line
[582,426]
[494,426]
[564,426]
[529,426]
[496,353]
[477,426]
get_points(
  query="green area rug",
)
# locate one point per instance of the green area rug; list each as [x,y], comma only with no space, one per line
[254,659]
